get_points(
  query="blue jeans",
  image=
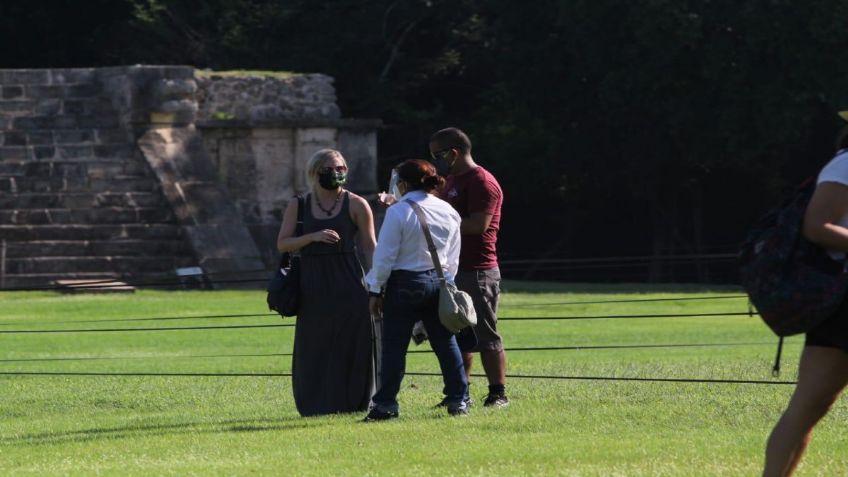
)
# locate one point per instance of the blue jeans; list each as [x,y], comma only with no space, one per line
[410,297]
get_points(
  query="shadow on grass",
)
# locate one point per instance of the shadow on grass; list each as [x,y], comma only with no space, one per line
[97,433]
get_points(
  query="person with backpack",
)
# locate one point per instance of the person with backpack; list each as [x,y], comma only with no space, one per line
[823,369]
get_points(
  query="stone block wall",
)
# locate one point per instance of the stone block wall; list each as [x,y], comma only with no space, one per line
[77,199]
[300,97]
[273,126]
[263,165]
[126,171]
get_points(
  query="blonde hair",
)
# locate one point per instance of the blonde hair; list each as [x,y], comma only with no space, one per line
[317,161]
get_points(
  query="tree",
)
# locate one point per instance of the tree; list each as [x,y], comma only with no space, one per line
[617,127]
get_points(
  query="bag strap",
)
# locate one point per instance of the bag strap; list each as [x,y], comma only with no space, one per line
[434,254]
[298,228]
[775,370]
[286,257]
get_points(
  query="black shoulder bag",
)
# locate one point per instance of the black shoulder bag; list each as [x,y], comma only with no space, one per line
[284,286]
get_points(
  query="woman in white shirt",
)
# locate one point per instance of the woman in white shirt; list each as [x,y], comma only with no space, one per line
[823,371]
[404,287]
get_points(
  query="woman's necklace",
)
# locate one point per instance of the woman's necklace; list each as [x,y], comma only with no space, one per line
[329,211]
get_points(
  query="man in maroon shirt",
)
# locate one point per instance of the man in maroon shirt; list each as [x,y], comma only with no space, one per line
[477,196]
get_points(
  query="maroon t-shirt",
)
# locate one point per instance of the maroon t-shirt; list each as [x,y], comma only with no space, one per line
[476,191]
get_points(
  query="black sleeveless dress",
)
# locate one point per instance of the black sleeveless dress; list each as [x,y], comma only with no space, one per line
[332,363]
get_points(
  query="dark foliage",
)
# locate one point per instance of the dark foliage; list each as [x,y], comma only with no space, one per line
[616,127]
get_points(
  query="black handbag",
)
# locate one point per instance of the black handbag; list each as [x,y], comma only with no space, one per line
[284,286]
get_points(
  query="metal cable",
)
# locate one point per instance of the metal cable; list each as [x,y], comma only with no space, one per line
[511,376]
[413,351]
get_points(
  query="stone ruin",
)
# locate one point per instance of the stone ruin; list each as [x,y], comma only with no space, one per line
[132,172]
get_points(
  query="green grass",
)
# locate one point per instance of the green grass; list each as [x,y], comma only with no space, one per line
[155,425]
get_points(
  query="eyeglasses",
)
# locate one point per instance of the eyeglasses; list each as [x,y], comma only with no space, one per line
[440,155]
[327,169]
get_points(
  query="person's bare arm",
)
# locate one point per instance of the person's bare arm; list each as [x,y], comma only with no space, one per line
[827,206]
[364,219]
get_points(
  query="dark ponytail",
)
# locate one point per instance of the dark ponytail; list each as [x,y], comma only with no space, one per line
[420,175]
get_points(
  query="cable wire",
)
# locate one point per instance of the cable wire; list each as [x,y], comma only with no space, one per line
[526,318]
[118,330]
[606,302]
[608,317]
[413,351]
[511,376]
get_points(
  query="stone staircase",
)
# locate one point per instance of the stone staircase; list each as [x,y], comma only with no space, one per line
[77,198]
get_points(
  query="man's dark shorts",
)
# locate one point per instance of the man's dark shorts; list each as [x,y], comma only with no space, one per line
[484,286]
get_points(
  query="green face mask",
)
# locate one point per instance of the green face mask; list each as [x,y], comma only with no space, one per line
[332,180]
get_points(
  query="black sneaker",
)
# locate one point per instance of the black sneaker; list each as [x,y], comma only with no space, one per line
[468,402]
[496,400]
[458,410]
[377,415]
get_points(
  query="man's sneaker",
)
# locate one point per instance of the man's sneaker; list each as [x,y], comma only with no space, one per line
[459,410]
[496,400]
[468,402]
[377,415]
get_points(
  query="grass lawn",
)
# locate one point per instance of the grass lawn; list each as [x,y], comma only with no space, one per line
[189,425]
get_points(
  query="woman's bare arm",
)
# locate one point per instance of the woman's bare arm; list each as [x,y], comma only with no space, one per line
[828,205]
[364,219]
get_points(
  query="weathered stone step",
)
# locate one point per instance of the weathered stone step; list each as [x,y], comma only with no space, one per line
[82,152]
[27,280]
[119,184]
[78,137]
[85,286]
[52,76]
[65,121]
[83,92]
[114,264]
[23,233]
[25,106]
[96,248]
[80,200]
[76,167]
[104,215]
[166,279]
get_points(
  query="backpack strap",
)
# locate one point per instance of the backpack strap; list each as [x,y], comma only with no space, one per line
[775,371]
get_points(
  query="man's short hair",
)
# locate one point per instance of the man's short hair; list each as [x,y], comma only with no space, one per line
[452,138]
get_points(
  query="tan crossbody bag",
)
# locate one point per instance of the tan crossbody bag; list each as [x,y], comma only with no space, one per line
[456,310]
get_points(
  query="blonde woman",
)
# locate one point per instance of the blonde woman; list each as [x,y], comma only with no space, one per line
[333,362]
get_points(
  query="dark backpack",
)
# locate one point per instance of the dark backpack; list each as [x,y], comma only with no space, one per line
[793,283]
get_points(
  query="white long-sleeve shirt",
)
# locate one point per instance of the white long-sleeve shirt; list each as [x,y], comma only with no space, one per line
[401,244]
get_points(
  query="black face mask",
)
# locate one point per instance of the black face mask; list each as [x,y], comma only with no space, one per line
[332,180]
[443,167]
